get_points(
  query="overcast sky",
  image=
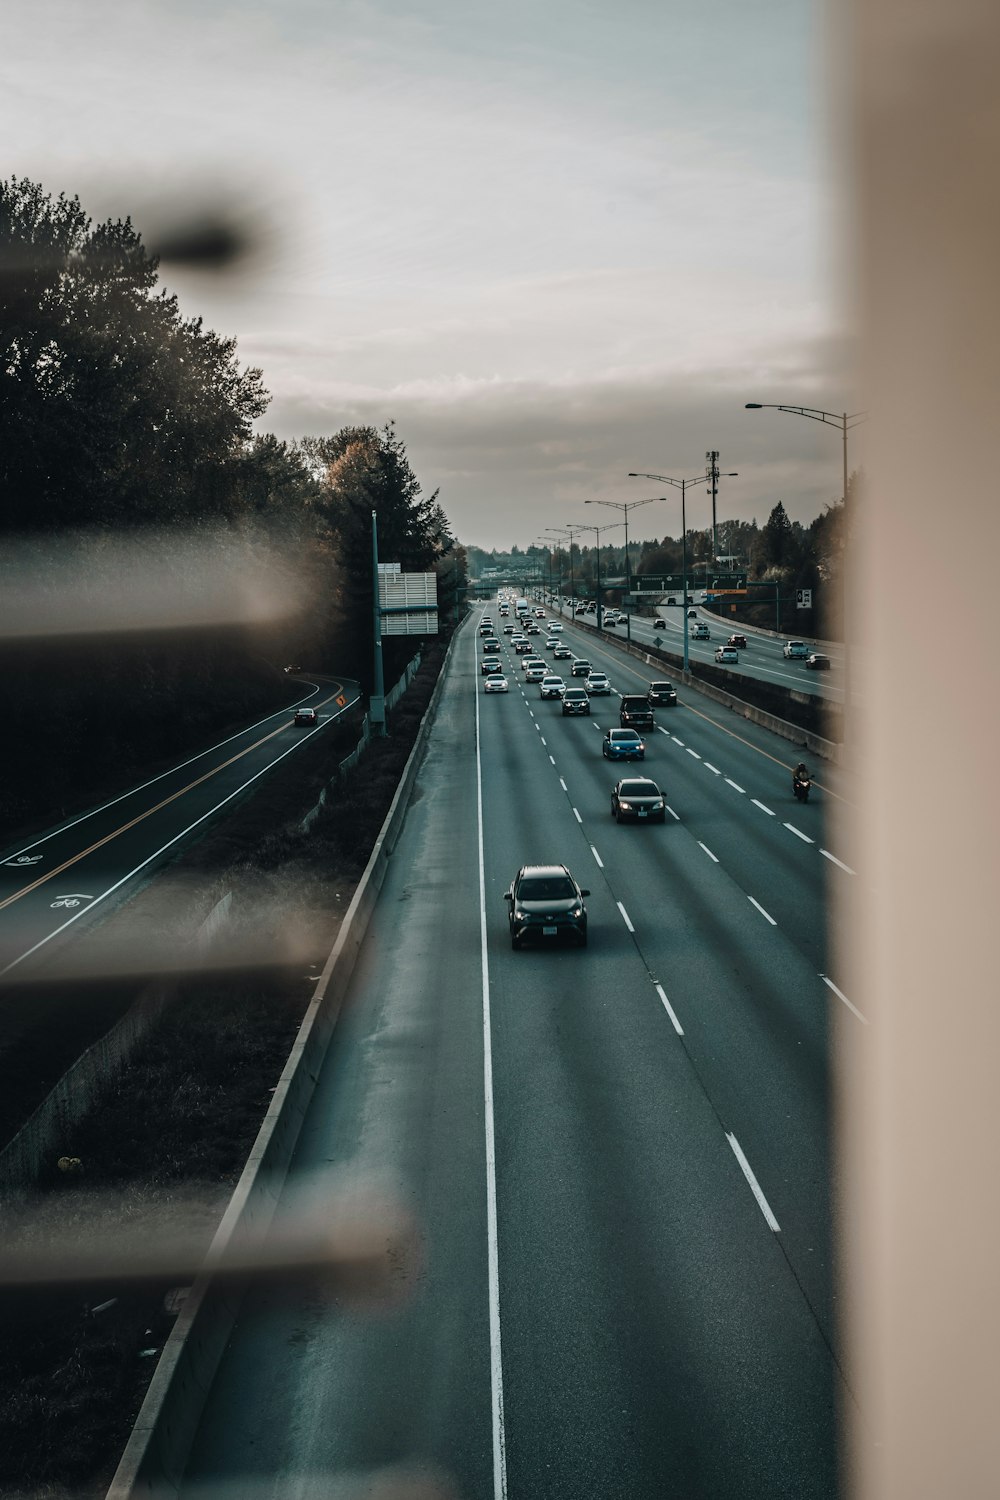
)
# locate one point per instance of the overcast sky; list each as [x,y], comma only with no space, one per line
[554,239]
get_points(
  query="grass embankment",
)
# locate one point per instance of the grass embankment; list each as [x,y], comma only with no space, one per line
[167,1144]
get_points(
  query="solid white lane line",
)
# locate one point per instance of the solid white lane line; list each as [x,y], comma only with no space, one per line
[735,786]
[670,810]
[762,807]
[625,917]
[597,857]
[577,816]
[839,862]
[755,1187]
[562,783]
[799,834]
[841,996]
[709,852]
[492,1237]
[669,1009]
[694,753]
[551,757]
[763,913]
[714,769]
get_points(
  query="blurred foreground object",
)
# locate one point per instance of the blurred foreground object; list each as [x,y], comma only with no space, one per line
[918,1112]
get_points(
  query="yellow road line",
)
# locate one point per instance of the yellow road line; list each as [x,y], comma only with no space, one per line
[82,854]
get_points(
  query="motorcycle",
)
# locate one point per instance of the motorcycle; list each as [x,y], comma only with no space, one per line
[800,786]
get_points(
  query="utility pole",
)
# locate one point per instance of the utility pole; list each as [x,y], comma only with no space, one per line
[376,706]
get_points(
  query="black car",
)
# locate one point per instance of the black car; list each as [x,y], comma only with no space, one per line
[817,662]
[640,799]
[635,712]
[662,695]
[738,641]
[306,716]
[575,701]
[546,904]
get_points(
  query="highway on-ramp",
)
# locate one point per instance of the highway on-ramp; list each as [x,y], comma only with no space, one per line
[619,1156]
[70,872]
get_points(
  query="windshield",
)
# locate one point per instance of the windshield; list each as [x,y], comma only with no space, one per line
[545,888]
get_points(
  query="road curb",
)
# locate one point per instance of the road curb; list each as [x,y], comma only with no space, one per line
[158,1448]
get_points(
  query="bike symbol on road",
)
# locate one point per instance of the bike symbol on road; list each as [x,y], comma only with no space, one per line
[69,901]
[23,859]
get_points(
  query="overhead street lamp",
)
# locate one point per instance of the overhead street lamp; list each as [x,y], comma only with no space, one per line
[626,506]
[844,420]
[680,484]
[598,529]
[572,585]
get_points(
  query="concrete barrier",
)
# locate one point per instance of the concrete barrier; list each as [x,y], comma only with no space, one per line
[158,1448]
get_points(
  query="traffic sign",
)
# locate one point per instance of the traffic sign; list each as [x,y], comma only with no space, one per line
[341,700]
[803,598]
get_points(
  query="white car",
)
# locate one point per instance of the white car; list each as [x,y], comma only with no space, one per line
[795,651]
[727,653]
[532,661]
[554,627]
[597,682]
[496,683]
[551,687]
[551,643]
[535,672]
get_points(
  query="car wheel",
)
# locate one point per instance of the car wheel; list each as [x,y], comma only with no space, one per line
[618,817]
[582,939]
[515,942]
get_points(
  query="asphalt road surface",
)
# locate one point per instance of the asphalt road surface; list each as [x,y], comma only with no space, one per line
[68,873]
[619,1156]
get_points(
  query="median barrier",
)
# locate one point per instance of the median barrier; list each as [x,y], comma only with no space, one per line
[160,1443]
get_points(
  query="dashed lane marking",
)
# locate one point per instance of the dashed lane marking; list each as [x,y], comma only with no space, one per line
[765,914]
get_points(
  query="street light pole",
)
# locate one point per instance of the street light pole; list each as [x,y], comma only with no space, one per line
[680,484]
[597,530]
[626,506]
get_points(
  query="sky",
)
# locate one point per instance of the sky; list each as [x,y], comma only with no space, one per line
[554,240]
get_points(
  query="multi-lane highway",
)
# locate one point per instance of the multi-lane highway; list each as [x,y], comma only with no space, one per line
[72,871]
[619,1156]
[762,657]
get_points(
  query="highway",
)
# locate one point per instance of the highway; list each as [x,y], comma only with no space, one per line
[619,1156]
[762,658]
[73,871]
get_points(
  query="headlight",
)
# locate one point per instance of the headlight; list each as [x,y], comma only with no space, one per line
[625,806]
[519,916]
[577,911]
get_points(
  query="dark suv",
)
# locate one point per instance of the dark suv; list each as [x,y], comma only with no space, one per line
[546,903]
[575,701]
[635,712]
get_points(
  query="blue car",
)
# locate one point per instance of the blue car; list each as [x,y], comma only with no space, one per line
[623,744]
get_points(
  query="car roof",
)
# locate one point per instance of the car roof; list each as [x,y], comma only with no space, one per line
[543,870]
[641,781]
[622,734]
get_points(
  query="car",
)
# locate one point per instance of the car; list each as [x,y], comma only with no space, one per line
[818,662]
[610,617]
[739,641]
[491,643]
[532,630]
[545,903]
[489,664]
[640,799]
[535,671]
[659,623]
[623,744]
[532,661]
[508,630]
[581,609]
[551,643]
[662,695]
[795,651]
[580,668]
[291,669]
[522,647]
[555,628]
[671,600]
[496,682]
[701,632]
[597,682]
[551,687]
[562,653]
[575,701]
[635,712]
[306,716]
[726,653]
[692,614]
[539,614]
[486,626]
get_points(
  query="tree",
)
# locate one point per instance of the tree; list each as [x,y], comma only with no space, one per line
[116,411]
[777,537]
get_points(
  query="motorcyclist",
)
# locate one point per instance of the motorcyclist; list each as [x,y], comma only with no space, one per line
[800,775]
